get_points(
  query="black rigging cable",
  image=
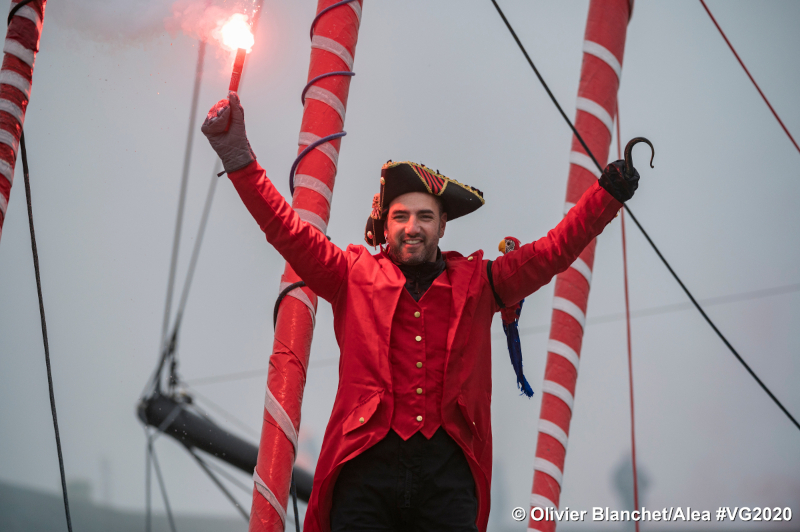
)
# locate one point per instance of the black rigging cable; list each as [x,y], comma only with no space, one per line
[44,329]
[166,348]
[169,341]
[228,476]
[763,96]
[154,458]
[147,483]
[26,173]
[639,225]
[150,461]
[281,296]
[534,329]
[168,344]
[218,409]
[16,8]
[219,484]
[655,311]
[198,242]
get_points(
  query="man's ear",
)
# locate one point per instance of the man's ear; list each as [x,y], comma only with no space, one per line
[442,223]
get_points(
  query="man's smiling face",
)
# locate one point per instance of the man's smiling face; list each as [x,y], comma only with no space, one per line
[414,225]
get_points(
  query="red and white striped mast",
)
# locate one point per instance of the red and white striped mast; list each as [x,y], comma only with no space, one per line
[603,47]
[16,75]
[333,45]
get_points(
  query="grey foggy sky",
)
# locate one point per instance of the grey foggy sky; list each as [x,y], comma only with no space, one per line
[442,83]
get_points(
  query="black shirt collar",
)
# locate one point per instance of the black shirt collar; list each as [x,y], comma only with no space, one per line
[419,277]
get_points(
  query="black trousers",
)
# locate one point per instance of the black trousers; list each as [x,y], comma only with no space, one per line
[414,485]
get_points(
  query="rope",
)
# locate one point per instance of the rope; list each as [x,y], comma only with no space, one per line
[152,453]
[328,138]
[630,350]
[323,76]
[251,374]
[319,15]
[168,349]
[176,239]
[26,173]
[544,84]
[16,8]
[198,242]
[774,113]
[44,328]
[218,409]
[646,235]
[219,484]
[607,318]
[226,377]
[306,151]
[666,309]
[209,197]
[233,480]
[281,296]
[148,481]
[294,504]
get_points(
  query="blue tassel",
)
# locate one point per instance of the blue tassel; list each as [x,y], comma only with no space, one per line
[515,351]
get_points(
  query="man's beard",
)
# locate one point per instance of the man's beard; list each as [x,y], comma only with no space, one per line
[395,253]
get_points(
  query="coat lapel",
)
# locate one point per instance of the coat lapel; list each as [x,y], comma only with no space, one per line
[387,287]
[461,273]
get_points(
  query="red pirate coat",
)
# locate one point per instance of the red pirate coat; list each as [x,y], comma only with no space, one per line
[364,291]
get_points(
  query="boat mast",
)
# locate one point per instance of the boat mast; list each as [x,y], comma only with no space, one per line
[603,47]
[334,35]
[16,75]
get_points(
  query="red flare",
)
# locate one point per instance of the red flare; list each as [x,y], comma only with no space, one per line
[238,66]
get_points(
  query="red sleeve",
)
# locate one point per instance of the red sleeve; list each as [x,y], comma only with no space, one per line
[520,273]
[320,263]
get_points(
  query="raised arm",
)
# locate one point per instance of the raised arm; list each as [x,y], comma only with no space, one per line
[320,263]
[520,273]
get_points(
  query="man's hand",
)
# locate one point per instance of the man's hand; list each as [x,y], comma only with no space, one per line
[224,128]
[617,183]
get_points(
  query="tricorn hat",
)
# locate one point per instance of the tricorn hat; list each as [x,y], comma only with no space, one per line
[404,177]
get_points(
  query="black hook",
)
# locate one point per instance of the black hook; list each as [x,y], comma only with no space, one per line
[629,155]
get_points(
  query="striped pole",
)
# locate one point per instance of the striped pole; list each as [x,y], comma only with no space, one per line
[603,49]
[333,43]
[19,54]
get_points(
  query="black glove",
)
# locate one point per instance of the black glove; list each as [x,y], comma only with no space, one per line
[224,128]
[617,183]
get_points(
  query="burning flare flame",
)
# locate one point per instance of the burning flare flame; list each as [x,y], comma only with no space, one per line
[236,33]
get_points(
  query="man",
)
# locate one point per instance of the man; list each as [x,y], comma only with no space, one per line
[409,444]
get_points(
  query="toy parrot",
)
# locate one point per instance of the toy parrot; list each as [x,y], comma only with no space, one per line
[510,317]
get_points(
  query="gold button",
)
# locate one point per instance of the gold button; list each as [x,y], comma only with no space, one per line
[419,391]
[470,258]
[417,314]
[361,420]
[419,418]
[419,364]
[418,338]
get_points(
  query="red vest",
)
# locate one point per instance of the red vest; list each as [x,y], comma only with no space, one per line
[417,351]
